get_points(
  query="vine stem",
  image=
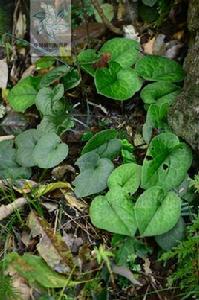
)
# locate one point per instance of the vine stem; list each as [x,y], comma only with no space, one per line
[106,22]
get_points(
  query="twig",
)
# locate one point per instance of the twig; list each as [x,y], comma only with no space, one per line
[6,210]
[106,22]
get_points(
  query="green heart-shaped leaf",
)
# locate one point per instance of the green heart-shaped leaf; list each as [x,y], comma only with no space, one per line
[114,212]
[23,94]
[157,212]
[87,58]
[8,165]
[54,75]
[47,100]
[94,173]
[163,163]
[110,149]
[123,51]
[158,68]
[99,139]
[126,176]
[117,83]
[152,92]
[49,151]
[26,142]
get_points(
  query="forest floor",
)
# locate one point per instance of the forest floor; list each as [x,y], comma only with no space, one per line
[51,246]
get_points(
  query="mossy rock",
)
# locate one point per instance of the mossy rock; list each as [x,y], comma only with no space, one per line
[184,114]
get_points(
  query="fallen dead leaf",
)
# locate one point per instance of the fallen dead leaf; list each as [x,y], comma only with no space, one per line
[72,201]
[73,242]
[3,74]
[51,247]
[148,47]
[125,272]
[20,285]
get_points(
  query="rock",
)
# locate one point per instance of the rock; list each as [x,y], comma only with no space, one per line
[184,114]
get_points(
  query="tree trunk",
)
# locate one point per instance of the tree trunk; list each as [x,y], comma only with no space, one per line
[6,13]
[184,114]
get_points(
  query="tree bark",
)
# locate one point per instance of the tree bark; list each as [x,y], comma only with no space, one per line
[184,114]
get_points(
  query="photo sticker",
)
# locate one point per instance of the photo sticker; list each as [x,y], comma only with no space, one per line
[50,27]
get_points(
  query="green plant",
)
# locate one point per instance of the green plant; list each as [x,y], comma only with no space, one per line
[157,211]
[162,165]
[95,163]
[10,168]
[114,212]
[44,151]
[115,78]
[187,267]
[35,270]
[7,291]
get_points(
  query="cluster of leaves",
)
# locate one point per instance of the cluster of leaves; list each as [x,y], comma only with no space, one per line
[114,76]
[157,211]
[141,201]
[40,147]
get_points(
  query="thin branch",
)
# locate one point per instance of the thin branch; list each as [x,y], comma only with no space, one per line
[106,22]
[7,210]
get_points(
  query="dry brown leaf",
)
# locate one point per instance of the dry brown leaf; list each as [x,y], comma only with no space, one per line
[125,272]
[20,285]
[24,186]
[179,35]
[51,247]
[73,201]
[21,25]
[148,47]
[28,72]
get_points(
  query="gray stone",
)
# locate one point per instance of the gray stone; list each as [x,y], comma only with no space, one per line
[184,114]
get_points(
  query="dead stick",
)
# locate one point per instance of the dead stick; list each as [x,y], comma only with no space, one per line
[6,210]
[106,22]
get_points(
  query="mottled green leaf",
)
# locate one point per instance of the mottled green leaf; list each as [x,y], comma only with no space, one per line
[126,176]
[157,212]
[117,83]
[167,162]
[114,212]
[94,173]
[49,151]
[152,92]
[24,93]
[158,68]
[99,139]
[123,51]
